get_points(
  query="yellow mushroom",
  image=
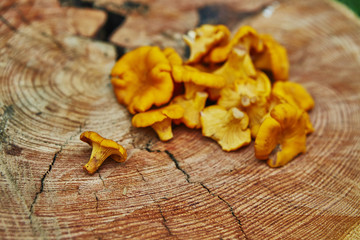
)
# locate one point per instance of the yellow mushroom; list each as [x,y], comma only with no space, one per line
[142,78]
[257,112]
[293,93]
[282,135]
[196,80]
[203,39]
[102,148]
[245,91]
[228,127]
[251,95]
[160,120]
[192,108]
[173,57]
[246,38]
[238,65]
[272,58]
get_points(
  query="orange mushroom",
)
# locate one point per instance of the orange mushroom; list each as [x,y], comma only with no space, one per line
[250,95]
[282,135]
[245,38]
[102,148]
[257,112]
[196,80]
[142,78]
[173,57]
[203,39]
[245,91]
[272,58]
[159,119]
[238,65]
[228,127]
[293,93]
[192,108]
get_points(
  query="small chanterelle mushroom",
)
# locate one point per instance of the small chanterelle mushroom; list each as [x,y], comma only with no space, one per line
[282,135]
[159,119]
[204,38]
[141,78]
[102,148]
[228,127]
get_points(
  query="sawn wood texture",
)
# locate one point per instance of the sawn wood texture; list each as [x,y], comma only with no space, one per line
[54,84]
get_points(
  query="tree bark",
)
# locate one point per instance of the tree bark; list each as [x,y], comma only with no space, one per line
[54,72]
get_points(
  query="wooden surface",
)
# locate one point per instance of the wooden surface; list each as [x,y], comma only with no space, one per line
[54,67]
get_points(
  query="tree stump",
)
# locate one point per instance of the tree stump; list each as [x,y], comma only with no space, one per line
[54,71]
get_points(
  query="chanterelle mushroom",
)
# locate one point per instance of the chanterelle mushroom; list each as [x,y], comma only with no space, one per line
[160,120]
[192,108]
[272,58]
[102,148]
[173,57]
[245,38]
[228,127]
[238,65]
[196,80]
[293,93]
[282,135]
[203,39]
[142,78]
[245,91]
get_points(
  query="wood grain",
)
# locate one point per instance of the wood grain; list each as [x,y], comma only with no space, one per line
[54,85]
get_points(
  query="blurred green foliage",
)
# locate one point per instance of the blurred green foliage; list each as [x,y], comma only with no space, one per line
[353,5]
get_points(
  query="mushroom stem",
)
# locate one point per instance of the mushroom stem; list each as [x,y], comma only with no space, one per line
[102,148]
[273,155]
[98,156]
[163,129]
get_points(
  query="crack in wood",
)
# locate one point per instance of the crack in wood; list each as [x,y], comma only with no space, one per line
[8,24]
[164,220]
[187,178]
[57,43]
[177,165]
[172,157]
[228,205]
[102,180]
[223,14]
[42,183]
[148,147]
[142,176]
[43,178]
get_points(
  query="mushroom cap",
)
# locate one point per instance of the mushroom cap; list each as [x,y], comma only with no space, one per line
[204,38]
[273,58]
[118,152]
[246,38]
[238,65]
[257,112]
[192,108]
[283,131]
[293,93]
[173,57]
[142,78]
[191,74]
[228,127]
[245,91]
[146,119]
[160,120]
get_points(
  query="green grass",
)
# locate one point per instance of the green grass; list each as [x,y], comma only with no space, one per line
[352,4]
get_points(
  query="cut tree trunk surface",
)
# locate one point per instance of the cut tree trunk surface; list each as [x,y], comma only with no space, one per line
[54,73]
